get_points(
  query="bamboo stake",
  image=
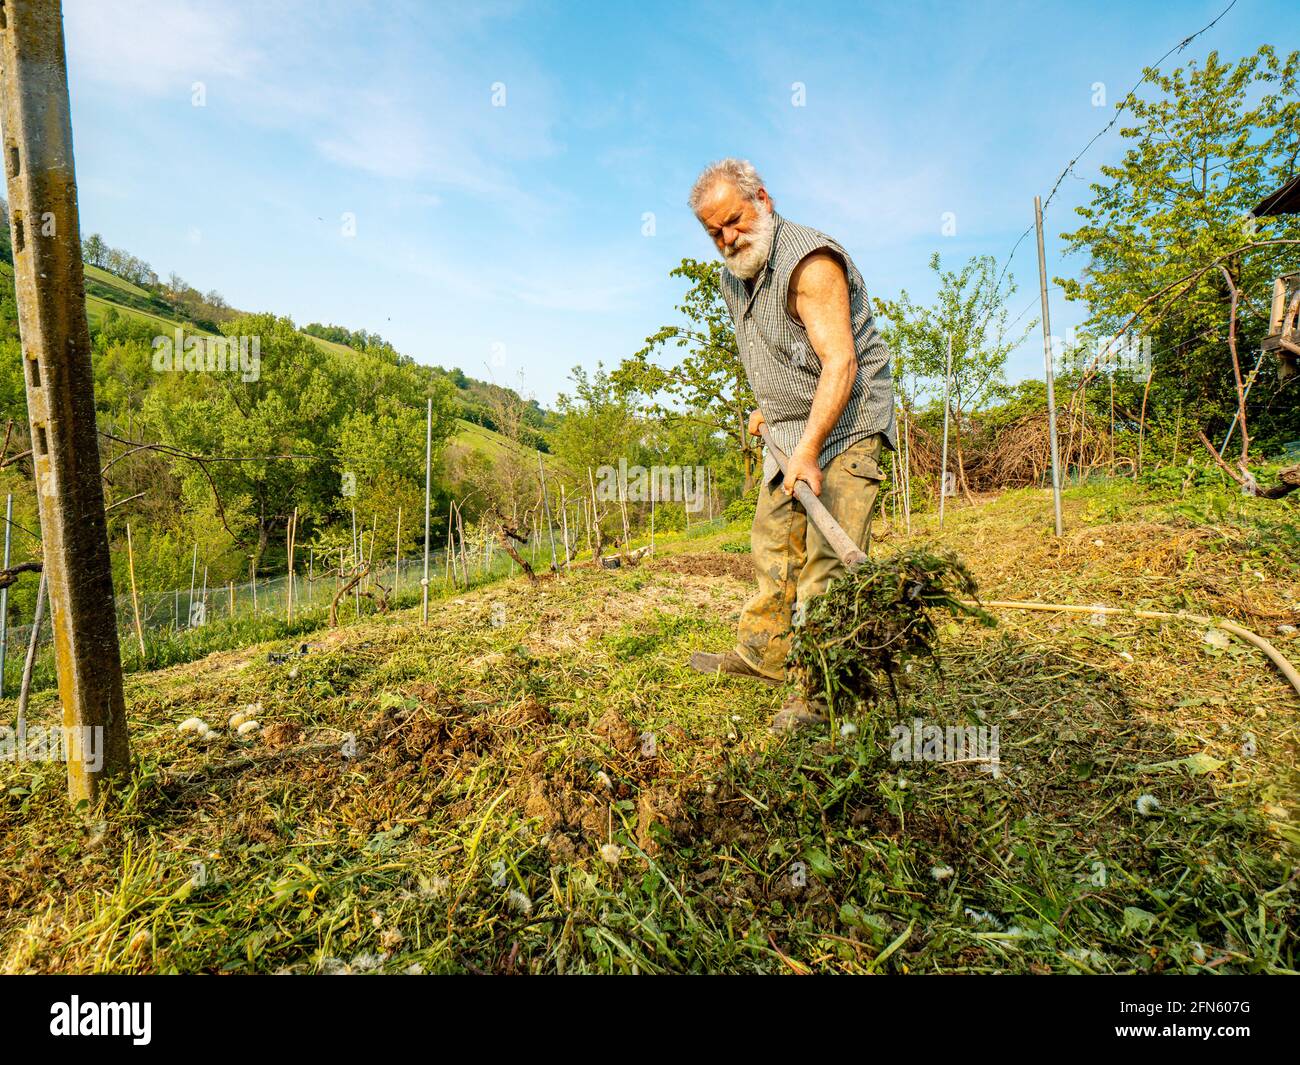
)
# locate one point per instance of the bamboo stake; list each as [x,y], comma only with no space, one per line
[194,570]
[654,496]
[290,535]
[356,559]
[1051,380]
[428,481]
[397,555]
[370,558]
[135,599]
[37,616]
[564,514]
[546,505]
[943,475]
[622,506]
[451,541]
[464,555]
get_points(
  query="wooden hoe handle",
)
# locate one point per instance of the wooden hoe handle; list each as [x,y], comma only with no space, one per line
[849,552]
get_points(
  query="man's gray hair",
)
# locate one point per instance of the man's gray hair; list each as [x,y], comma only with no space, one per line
[740,172]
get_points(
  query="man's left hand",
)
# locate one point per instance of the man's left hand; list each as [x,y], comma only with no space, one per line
[802,466]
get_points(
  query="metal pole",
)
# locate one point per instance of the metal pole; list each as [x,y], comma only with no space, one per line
[1047,360]
[943,475]
[50,286]
[4,595]
[428,475]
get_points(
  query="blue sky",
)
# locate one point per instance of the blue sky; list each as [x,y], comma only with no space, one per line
[509,240]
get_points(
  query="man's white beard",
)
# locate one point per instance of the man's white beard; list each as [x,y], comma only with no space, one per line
[749,254]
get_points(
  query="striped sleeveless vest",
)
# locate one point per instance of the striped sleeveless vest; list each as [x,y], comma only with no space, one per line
[780,363]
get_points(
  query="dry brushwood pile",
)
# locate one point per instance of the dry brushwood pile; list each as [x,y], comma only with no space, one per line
[872,622]
[1020,454]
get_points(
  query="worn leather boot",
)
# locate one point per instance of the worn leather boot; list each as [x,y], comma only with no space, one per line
[729,663]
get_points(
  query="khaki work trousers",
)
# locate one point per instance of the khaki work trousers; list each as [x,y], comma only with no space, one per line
[793,560]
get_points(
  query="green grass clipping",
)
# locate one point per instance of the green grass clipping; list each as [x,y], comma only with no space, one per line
[853,640]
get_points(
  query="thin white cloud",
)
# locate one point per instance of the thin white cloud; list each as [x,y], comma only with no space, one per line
[304,69]
[157,47]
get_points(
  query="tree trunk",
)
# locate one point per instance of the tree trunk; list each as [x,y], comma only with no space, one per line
[961,462]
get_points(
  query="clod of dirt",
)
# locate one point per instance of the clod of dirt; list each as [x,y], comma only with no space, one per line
[708,565]
[281,734]
[614,728]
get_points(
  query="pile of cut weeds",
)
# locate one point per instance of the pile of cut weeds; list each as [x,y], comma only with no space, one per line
[851,642]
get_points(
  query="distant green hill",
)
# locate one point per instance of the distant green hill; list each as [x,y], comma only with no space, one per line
[105,291]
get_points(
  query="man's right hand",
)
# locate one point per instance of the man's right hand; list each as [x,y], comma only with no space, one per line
[755,422]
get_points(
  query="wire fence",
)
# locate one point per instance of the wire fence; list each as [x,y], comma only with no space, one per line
[181,613]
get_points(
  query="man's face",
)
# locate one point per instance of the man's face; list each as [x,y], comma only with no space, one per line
[739,227]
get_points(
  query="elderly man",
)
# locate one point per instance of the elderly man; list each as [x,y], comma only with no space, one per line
[820,372]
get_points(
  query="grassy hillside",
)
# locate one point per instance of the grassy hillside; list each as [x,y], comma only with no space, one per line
[553,791]
[491,443]
[105,291]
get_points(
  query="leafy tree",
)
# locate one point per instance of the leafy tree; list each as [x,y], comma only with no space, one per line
[94,250]
[274,436]
[598,425]
[707,385]
[1212,143]
[971,308]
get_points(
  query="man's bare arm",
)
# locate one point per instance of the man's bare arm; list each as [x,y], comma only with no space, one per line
[819,298]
